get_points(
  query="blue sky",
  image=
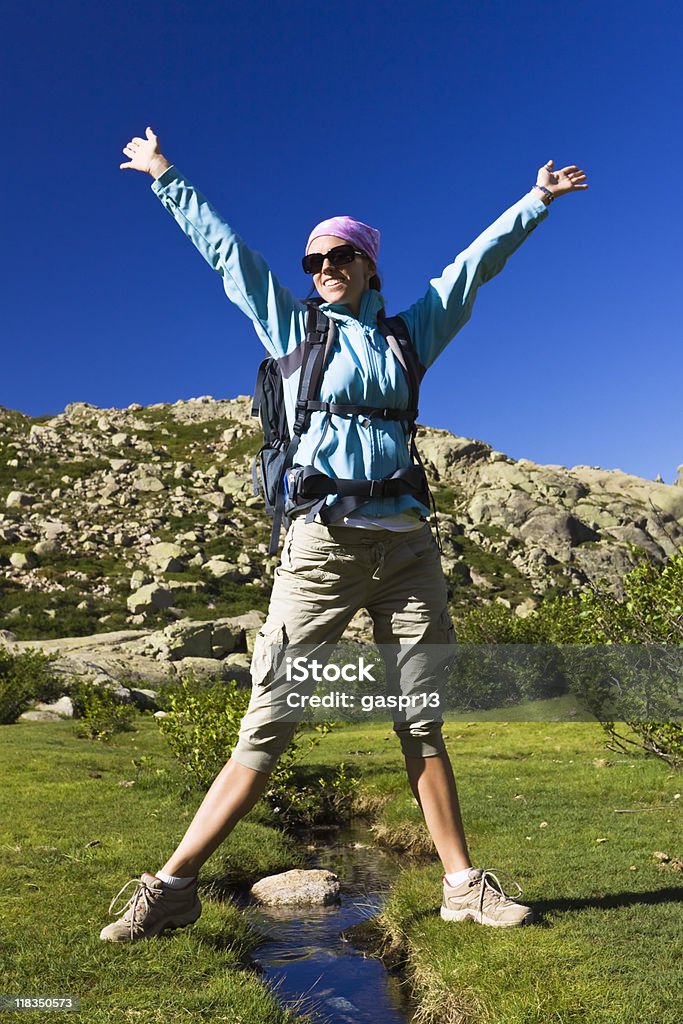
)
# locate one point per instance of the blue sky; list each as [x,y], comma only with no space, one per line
[425,119]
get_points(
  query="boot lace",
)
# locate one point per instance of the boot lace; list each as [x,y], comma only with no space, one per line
[138,904]
[489,883]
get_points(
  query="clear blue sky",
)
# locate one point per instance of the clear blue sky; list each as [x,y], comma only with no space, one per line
[426,119]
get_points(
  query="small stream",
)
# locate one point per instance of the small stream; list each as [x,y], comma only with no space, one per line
[305,956]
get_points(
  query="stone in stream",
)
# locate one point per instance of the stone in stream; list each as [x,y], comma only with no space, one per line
[297,886]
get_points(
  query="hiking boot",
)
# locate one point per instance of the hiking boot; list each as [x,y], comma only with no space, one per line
[152,907]
[481,898]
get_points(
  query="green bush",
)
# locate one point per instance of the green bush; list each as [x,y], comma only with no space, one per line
[202,724]
[305,796]
[649,615]
[24,679]
[99,712]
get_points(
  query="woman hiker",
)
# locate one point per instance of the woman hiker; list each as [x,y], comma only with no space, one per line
[373,552]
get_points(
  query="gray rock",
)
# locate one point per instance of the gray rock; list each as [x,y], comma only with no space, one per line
[24,560]
[188,639]
[298,887]
[224,639]
[246,625]
[159,554]
[234,483]
[146,700]
[238,667]
[64,707]
[40,716]
[45,547]
[559,532]
[53,529]
[201,668]
[139,578]
[148,597]
[218,499]
[222,569]
[19,499]
[149,484]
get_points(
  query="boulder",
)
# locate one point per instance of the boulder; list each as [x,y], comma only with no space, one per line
[145,700]
[148,597]
[222,569]
[64,707]
[557,532]
[45,547]
[19,499]
[201,668]
[238,667]
[23,560]
[234,483]
[188,639]
[248,624]
[149,484]
[139,579]
[298,887]
[166,557]
[224,639]
[219,499]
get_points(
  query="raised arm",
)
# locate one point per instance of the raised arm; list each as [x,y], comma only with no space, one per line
[447,305]
[248,281]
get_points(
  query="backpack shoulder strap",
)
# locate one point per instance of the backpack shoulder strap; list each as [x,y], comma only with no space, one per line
[321,334]
[399,341]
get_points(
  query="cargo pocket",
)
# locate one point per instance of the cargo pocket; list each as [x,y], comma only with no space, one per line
[269,649]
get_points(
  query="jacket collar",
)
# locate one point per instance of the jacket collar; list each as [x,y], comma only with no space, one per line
[370,305]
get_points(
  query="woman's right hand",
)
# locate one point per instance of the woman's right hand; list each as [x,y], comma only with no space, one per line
[145,155]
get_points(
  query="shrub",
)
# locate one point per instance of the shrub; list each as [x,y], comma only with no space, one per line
[650,615]
[24,679]
[100,713]
[202,725]
[651,612]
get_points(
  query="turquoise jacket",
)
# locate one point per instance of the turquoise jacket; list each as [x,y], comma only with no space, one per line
[361,370]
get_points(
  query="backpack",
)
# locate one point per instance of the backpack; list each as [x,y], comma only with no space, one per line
[289,489]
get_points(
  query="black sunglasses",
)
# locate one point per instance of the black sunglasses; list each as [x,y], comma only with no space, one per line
[340,255]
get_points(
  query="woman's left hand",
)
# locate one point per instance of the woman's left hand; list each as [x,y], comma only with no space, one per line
[568,179]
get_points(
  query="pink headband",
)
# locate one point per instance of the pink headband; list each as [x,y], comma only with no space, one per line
[362,235]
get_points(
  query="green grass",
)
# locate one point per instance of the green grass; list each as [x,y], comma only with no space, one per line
[70,837]
[606,949]
[607,946]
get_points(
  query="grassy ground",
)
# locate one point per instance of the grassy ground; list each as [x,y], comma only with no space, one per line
[539,801]
[71,835]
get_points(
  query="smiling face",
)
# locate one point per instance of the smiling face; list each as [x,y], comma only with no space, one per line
[341,285]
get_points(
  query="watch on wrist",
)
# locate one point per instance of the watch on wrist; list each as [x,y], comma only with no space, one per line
[545,191]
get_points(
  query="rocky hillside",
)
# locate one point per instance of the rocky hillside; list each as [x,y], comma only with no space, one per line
[122,519]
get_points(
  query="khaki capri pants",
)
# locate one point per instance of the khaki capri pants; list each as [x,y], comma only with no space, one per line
[326,575]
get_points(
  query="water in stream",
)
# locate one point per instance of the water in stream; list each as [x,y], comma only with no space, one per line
[304,954]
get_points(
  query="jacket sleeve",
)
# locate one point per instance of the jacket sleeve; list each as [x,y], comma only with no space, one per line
[248,281]
[447,305]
